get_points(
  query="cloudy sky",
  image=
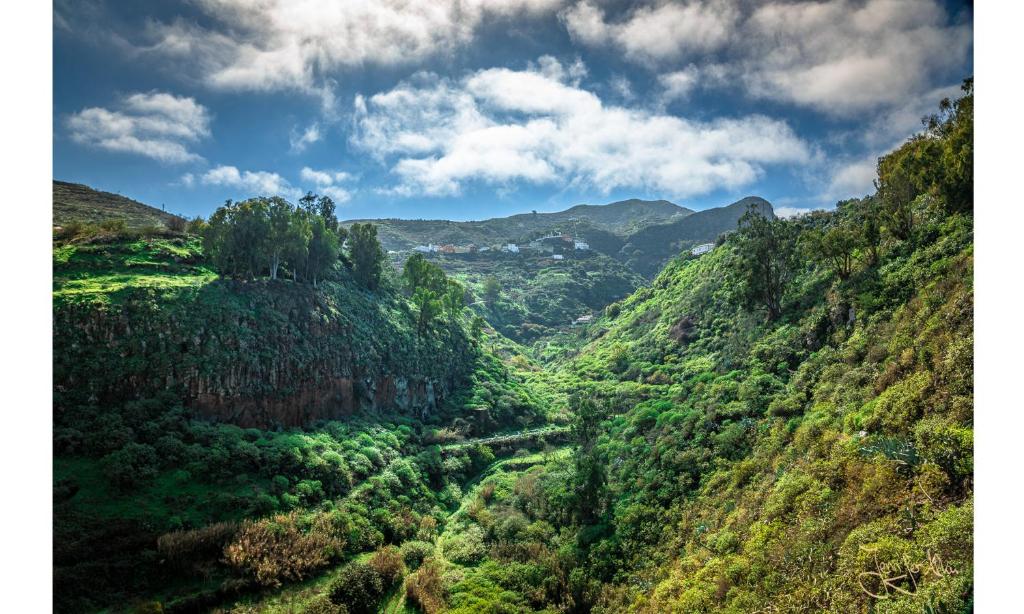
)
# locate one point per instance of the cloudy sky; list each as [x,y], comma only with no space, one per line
[467,109]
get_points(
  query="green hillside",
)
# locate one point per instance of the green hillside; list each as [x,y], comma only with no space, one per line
[649,249]
[539,297]
[77,203]
[186,402]
[783,424]
[619,218]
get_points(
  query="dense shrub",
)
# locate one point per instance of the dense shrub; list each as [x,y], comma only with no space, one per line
[388,564]
[415,552]
[358,587]
[466,547]
[425,587]
[131,466]
[180,547]
[286,547]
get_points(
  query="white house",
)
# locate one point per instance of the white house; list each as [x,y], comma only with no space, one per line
[558,257]
[703,248]
[511,248]
[581,245]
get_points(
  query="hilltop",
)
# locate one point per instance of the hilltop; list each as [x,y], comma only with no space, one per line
[647,250]
[78,203]
[618,218]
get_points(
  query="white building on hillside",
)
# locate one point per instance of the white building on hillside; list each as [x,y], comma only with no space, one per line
[511,248]
[581,245]
[703,248]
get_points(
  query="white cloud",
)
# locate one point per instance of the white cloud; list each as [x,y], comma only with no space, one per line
[500,126]
[838,56]
[326,182]
[852,179]
[299,142]
[666,32]
[678,85]
[294,44]
[254,183]
[791,212]
[154,124]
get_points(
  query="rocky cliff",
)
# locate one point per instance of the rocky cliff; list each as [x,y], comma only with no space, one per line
[254,353]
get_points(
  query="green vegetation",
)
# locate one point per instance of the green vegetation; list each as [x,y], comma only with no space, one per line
[783,422]
[597,223]
[76,206]
[262,235]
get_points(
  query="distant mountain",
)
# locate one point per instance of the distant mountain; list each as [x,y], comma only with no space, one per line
[601,223]
[74,202]
[647,250]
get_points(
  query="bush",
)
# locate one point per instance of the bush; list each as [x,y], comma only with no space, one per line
[323,605]
[176,224]
[196,544]
[278,548]
[415,552]
[388,564]
[131,466]
[425,588]
[358,587]
[466,548]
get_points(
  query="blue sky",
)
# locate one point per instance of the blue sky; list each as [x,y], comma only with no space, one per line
[468,109]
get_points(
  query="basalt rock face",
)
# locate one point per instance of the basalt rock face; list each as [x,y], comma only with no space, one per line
[256,354]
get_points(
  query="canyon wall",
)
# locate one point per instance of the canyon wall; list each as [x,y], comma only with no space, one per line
[257,354]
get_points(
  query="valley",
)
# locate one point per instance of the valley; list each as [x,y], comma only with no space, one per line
[269,410]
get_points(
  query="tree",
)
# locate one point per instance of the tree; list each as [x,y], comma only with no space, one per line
[296,252]
[454,299]
[766,260]
[590,475]
[323,249]
[954,126]
[492,290]
[476,329]
[418,272]
[428,306]
[280,220]
[835,246]
[322,206]
[366,254]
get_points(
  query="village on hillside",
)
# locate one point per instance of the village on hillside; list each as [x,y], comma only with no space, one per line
[555,246]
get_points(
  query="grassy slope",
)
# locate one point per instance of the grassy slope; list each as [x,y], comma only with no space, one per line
[74,202]
[750,458]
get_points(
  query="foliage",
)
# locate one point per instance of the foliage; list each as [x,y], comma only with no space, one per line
[425,587]
[358,587]
[246,238]
[286,547]
[766,260]
[366,255]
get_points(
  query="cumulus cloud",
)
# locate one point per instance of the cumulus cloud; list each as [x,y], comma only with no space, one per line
[154,124]
[677,85]
[328,182]
[500,126]
[837,56]
[253,183]
[669,31]
[289,44]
